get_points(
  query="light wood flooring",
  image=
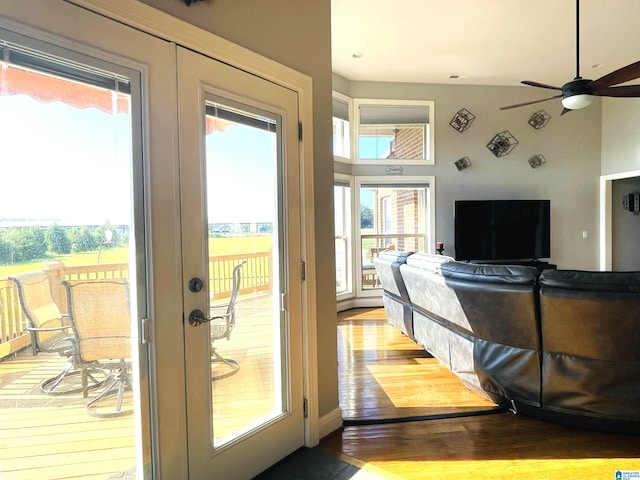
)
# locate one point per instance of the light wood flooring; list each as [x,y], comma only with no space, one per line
[385,375]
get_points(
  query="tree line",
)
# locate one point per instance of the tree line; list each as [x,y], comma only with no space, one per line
[24,244]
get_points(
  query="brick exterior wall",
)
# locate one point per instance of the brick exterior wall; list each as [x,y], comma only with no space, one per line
[408,143]
[404,215]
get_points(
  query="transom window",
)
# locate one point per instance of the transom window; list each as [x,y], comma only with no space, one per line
[394,131]
[383,132]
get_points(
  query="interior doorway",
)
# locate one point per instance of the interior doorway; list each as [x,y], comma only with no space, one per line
[619,227]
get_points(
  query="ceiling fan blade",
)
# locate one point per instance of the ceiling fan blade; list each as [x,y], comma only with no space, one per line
[622,91]
[624,74]
[529,103]
[540,85]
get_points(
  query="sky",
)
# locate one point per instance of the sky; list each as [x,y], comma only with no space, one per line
[63,163]
[241,175]
[72,166]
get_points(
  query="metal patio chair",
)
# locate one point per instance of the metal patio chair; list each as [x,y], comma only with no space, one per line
[222,325]
[101,320]
[51,332]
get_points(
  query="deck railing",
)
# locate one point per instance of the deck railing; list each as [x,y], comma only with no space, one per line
[256,277]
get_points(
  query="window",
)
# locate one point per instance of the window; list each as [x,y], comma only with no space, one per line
[341,126]
[343,236]
[394,131]
[395,214]
[387,215]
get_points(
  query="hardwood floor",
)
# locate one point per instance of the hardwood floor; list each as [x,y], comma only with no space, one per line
[385,375]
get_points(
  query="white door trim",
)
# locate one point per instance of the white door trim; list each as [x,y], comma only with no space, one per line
[606,232]
[162,25]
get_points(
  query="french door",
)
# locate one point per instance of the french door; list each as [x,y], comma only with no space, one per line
[239,174]
[197,174]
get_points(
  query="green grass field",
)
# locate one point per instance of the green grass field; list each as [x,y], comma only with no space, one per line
[217,246]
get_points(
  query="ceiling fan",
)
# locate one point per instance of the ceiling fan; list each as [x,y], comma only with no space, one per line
[579,92]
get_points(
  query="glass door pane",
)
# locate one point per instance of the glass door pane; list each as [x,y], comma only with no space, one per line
[69,266]
[244,251]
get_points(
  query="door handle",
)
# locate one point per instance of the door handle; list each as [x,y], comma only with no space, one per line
[197,318]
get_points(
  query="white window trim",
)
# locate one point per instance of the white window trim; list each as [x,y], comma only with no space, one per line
[430,134]
[349,101]
[352,250]
[429,219]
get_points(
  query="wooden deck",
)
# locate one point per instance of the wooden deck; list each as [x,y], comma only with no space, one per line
[45,436]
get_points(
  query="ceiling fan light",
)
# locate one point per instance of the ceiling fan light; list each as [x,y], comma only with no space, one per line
[576,102]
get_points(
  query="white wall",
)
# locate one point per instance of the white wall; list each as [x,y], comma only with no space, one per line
[620,135]
[621,154]
[625,227]
[570,144]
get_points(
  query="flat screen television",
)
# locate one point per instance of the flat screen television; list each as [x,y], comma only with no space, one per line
[499,230]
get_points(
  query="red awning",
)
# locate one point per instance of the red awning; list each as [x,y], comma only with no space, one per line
[47,89]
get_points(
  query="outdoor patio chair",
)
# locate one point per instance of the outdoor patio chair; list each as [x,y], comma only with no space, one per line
[101,320]
[222,325]
[51,332]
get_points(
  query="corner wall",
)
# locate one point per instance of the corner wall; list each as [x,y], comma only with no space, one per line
[570,143]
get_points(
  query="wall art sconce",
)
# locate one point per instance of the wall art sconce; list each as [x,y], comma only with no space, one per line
[463,163]
[539,119]
[462,120]
[631,202]
[502,144]
[537,161]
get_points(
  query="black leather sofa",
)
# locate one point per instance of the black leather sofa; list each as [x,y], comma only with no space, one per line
[558,345]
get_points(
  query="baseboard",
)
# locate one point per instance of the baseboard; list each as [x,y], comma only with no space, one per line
[330,423]
[362,302]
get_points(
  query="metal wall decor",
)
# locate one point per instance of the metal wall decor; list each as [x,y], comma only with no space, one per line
[463,163]
[537,161]
[631,202]
[502,144]
[539,119]
[462,120]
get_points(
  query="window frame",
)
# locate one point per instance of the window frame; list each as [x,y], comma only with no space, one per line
[348,215]
[428,219]
[337,96]
[429,133]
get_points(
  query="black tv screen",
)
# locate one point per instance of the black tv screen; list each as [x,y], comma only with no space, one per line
[502,229]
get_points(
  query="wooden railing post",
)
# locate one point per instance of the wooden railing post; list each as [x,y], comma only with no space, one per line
[55,270]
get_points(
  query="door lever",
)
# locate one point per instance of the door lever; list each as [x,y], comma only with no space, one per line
[197,318]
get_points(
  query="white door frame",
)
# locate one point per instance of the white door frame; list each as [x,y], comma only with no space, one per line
[606,231]
[152,21]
